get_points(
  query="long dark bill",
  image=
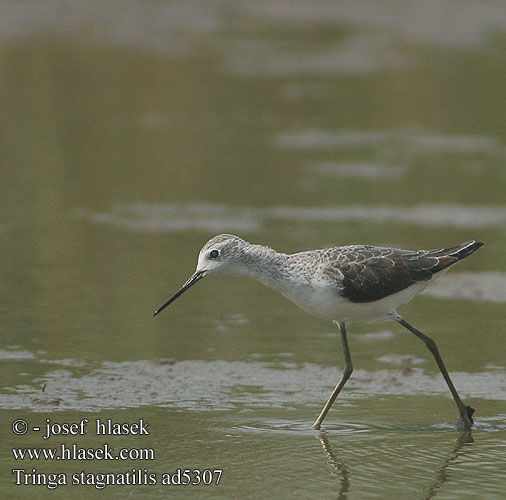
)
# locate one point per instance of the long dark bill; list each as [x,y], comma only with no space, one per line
[193,279]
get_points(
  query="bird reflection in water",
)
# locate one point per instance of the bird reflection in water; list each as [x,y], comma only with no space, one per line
[442,475]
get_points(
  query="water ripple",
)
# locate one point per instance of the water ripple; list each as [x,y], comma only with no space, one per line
[482,287]
[220,218]
[414,140]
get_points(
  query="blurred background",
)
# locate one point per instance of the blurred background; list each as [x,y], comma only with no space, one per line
[132,131]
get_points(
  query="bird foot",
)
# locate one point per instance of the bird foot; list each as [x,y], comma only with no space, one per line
[466,419]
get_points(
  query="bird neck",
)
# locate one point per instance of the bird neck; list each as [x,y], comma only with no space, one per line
[262,264]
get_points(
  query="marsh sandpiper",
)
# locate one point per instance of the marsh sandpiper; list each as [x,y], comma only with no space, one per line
[342,284]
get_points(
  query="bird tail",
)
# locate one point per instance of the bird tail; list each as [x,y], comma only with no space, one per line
[464,250]
[447,257]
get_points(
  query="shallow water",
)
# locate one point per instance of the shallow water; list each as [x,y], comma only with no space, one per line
[131,135]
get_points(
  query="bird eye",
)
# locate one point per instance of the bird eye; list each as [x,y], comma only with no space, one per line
[213,254]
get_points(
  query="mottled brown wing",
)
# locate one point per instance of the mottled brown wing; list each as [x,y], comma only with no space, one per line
[371,273]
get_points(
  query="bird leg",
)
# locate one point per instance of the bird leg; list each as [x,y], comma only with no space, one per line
[466,412]
[348,369]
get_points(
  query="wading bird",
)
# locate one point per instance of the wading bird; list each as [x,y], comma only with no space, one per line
[343,284]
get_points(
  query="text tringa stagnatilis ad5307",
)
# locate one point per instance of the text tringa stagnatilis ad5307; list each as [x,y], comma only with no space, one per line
[343,284]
